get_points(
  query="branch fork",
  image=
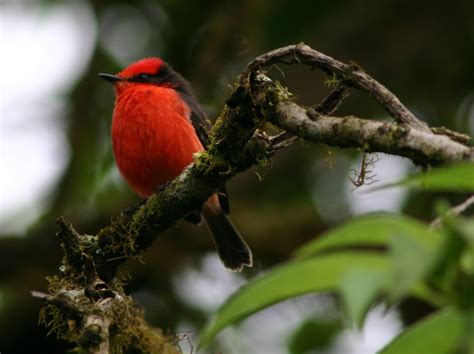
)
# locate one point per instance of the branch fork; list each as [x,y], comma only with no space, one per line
[89,291]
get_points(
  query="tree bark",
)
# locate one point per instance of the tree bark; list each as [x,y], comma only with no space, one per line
[86,303]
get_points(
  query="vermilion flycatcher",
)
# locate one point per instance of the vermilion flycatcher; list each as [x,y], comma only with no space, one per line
[157,126]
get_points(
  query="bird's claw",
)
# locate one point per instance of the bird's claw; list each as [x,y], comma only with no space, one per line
[131,210]
[162,187]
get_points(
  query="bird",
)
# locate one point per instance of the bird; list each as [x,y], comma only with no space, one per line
[157,127]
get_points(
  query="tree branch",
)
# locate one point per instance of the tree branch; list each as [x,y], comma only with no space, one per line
[455,211]
[371,136]
[92,326]
[326,107]
[88,294]
[351,75]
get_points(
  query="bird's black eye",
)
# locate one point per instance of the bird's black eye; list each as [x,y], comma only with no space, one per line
[143,76]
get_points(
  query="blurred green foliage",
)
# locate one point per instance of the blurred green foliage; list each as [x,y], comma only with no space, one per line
[422,51]
[421,262]
[314,333]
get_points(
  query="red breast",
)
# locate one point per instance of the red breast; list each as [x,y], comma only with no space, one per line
[152,136]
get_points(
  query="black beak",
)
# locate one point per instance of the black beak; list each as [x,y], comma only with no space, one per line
[110,78]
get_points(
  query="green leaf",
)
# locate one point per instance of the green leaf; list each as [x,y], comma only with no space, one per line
[437,334]
[412,260]
[323,273]
[446,273]
[467,261]
[358,288]
[313,334]
[371,230]
[449,178]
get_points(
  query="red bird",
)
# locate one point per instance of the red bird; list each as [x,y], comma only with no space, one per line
[157,126]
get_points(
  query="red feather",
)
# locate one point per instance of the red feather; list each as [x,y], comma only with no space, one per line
[144,66]
[152,136]
[154,139]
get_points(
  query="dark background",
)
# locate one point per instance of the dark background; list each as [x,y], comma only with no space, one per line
[421,50]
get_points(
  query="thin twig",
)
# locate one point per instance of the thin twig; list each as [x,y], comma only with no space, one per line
[456,136]
[455,211]
[70,242]
[364,176]
[331,101]
[68,306]
[326,107]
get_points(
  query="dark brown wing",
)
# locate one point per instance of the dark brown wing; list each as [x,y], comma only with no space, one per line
[199,120]
[202,126]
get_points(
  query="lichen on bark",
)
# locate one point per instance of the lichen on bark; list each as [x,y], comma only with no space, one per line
[86,303]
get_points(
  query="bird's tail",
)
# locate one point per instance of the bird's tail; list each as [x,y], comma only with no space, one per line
[231,247]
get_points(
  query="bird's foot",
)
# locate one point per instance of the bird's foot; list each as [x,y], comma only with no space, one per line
[162,187]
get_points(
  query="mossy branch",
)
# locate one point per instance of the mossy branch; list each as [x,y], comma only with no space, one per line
[349,74]
[86,302]
[371,136]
